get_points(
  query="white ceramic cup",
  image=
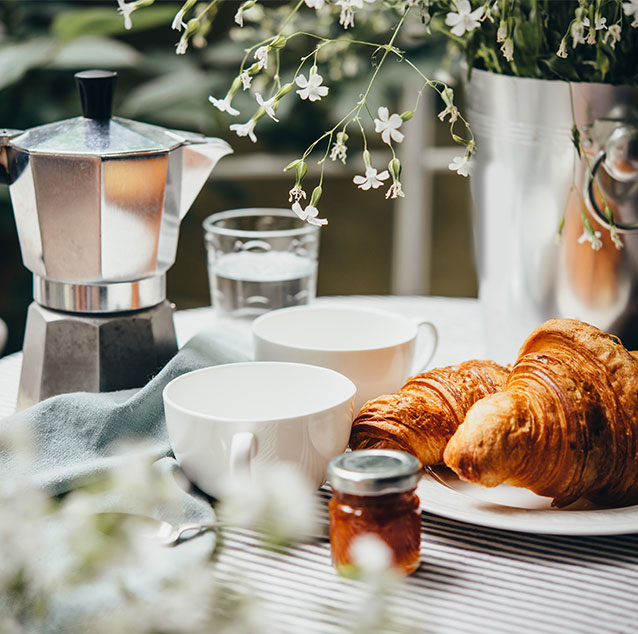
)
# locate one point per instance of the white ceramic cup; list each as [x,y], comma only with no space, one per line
[377,350]
[241,417]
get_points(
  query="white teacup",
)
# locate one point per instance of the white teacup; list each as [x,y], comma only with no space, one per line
[228,418]
[376,349]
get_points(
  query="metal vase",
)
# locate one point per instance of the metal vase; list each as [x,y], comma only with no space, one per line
[528,182]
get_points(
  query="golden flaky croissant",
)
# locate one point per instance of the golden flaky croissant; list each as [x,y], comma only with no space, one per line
[565,426]
[422,416]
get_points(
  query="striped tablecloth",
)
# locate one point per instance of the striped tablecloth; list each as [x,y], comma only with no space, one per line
[472,579]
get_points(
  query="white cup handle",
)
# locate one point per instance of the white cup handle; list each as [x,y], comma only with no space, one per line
[424,356]
[243,448]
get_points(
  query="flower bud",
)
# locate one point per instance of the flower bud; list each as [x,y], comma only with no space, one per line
[447,94]
[292,165]
[394,167]
[407,115]
[284,90]
[191,26]
[301,171]
[316,195]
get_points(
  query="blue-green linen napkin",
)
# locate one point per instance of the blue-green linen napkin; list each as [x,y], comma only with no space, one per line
[77,437]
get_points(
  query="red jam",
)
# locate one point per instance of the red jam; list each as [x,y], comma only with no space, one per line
[393,517]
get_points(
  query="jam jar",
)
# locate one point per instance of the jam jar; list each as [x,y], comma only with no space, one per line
[374,492]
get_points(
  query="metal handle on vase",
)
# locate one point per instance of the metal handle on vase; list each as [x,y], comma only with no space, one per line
[620,151]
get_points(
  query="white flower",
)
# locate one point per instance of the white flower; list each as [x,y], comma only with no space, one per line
[315,4]
[309,214]
[395,191]
[245,129]
[339,151]
[311,88]
[599,22]
[594,238]
[508,49]
[181,46]
[501,34]
[371,179]
[577,32]
[296,193]
[239,16]
[125,11]
[370,554]
[465,19]
[268,106]
[224,105]
[388,125]
[562,49]
[461,165]
[615,238]
[453,111]
[631,9]
[612,35]
[261,55]
[178,21]
[246,79]
[346,17]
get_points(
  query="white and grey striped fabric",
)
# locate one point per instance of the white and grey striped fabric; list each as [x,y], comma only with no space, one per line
[471,579]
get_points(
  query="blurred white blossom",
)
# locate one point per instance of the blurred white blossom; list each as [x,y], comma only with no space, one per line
[125,9]
[461,165]
[592,237]
[631,10]
[281,501]
[612,35]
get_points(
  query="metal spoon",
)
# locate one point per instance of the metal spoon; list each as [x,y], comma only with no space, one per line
[170,534]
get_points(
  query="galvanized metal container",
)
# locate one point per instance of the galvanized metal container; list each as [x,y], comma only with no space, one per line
[526,178]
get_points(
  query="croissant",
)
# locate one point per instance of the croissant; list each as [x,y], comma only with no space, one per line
[566,425]
[422,416]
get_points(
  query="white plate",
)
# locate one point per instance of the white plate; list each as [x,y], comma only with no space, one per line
[514,509]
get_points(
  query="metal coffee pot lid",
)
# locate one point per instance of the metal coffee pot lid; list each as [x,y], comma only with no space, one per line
[96,133]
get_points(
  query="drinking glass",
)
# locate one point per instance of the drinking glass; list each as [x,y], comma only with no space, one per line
[258,260]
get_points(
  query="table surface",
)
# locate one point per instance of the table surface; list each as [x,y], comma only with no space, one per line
[471,579]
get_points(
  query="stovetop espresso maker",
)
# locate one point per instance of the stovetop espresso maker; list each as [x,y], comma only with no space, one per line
[98,202]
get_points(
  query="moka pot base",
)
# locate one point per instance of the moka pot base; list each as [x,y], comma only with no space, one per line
[93,352]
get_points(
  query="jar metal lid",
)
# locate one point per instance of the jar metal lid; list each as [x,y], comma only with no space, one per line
[373,472]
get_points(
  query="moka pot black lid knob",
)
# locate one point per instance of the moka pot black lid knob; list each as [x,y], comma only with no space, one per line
[97,88]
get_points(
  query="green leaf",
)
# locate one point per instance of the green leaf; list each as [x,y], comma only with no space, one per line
[18,59]
[165,91]
[94,51]
[69,25]
[576,138]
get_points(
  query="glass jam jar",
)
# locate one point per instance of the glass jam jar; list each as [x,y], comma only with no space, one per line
[374,492]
